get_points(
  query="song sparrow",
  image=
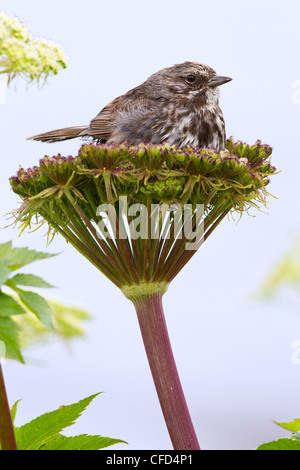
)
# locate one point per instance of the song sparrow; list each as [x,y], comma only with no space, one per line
[178,104]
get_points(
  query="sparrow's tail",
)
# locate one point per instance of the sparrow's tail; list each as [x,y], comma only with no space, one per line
[60,134]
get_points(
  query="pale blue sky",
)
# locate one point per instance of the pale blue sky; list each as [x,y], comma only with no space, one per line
[233,353]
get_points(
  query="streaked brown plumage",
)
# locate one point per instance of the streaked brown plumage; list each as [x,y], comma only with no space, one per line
[178,104]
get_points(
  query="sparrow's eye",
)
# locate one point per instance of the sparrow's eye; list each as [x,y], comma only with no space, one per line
[191,78]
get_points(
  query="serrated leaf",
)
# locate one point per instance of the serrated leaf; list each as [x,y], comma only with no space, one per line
[30,280]
[19,257]
[33,435]
[4,270]
[9,306]
[81,442]
[13,410]
[9,335]
[37,305]
[281,444]
[291,426]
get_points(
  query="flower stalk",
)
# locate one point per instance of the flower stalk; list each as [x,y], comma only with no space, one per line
[158,348]
[139,213]
[7,435]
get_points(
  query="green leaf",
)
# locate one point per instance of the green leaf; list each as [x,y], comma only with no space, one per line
[9,306]
[33,435]
[19,257]
[13,410]
[81,442]
[30,280]
[5,249]
[4,270]
[37,305]
[68,319]
[9,335]
[281,444]
[68,322]
[292,426]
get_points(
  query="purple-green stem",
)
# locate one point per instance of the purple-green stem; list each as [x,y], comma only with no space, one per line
[158,348]
[7,435]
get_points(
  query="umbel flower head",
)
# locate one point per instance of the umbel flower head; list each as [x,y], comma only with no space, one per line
[20,54]
[139,213]
[140,192]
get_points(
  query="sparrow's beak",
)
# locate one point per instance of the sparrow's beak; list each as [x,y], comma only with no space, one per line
[217,80]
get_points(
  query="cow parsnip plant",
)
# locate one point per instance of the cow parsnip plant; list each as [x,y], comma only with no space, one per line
[83,197]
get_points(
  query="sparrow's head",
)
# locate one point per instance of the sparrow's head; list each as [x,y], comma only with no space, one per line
[188,78]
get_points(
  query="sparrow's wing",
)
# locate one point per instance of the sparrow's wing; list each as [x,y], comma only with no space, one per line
[103,125]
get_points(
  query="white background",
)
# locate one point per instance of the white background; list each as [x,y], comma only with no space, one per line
[233,351]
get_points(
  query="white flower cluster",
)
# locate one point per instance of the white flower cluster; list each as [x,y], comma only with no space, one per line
[22,55]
